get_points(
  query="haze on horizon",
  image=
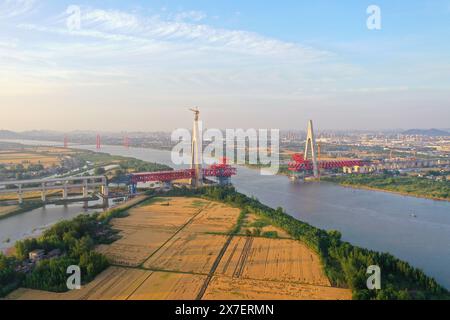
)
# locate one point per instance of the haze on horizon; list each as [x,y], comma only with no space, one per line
[138,65]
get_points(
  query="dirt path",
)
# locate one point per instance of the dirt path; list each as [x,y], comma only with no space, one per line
[214,268]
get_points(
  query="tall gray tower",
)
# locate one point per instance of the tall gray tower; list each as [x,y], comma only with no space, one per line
[311,145]
[196,151]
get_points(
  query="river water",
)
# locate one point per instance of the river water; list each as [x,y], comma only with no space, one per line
[375,220]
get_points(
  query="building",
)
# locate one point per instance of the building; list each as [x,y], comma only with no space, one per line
[358,169]
[36,255]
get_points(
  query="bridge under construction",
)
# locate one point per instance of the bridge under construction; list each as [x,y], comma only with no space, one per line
[196,174]
[309,162]
[222,172]
[64,184]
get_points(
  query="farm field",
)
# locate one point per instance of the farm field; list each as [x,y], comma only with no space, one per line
[216,218]
[225,288]
[135,246]
[146,229]
[188,252]
[272,259]
[183,249]
[118,283]
[25,158]
[169,286]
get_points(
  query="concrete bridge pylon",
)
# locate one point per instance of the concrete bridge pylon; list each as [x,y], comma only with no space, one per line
[311,146]
[196,151]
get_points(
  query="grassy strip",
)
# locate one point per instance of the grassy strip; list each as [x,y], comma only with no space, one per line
[240,222]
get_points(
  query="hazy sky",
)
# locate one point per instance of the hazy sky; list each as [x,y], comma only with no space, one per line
[138,65]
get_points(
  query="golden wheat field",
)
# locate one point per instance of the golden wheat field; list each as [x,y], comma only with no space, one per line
[272,259]
[9,158]
[216,218]
[225,288]
[168,213]
[135,246]
[171,247]
[188,252]
[146,229]
[169,286]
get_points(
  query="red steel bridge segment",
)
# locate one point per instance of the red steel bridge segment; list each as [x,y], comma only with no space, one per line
[222,171]
[299,163]
[164,176]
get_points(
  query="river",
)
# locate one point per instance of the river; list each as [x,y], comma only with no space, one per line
[374,220]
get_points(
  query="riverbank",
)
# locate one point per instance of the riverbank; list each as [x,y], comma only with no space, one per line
[9,211]
[416,187]
[391,192]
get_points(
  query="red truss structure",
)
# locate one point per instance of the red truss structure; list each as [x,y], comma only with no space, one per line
[221,170]
[299,163]
[164,176]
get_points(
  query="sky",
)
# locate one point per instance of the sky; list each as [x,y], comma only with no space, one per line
[139,65]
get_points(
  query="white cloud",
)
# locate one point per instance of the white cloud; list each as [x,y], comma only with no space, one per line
[14,8]
[123,24]
[192,15]
[161,53]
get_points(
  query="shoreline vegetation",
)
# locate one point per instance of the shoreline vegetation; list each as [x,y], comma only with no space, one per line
[405,186]
[344,264]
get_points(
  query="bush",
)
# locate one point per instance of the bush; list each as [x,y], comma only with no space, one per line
[50,275]
[270,234]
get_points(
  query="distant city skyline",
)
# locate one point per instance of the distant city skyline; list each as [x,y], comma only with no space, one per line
[139,65]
